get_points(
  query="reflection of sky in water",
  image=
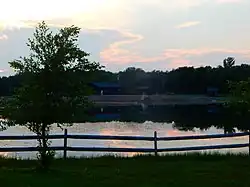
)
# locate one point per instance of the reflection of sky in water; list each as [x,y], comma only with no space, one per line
[121,128]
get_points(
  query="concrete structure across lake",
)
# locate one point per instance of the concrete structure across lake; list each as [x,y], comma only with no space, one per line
[123,100]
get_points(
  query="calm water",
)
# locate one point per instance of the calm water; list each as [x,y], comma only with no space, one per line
[143,121]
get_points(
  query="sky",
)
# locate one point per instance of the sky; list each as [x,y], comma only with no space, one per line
[148,34]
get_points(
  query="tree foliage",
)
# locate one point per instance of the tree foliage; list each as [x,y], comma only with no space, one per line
[183,80]
[229,62]
[240,97]
[50,91]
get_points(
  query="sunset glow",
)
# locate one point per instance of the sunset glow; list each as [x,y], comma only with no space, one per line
[15,13]
[150,34]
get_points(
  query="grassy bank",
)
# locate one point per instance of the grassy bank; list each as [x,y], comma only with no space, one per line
[146,171]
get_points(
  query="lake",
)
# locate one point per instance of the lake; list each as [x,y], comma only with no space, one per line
[143,121]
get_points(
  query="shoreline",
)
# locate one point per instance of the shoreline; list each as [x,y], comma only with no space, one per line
[155,100]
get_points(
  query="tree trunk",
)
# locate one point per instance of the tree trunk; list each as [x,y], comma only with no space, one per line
[44,146]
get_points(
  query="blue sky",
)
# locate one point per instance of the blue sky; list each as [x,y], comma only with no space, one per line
[150,34]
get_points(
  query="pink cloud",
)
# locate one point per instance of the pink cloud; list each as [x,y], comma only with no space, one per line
[173,57]
[179,63]
[117,54]
[3,70]
[3,37]
[175,63]
[186,53]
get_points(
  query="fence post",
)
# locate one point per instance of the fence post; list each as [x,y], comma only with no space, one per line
[155,143]
[65,144]
[249,142]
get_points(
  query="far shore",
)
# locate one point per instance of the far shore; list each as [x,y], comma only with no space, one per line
[158,100]
[153,100]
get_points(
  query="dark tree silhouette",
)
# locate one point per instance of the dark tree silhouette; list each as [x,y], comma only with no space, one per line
[51,90]
[183,80]
[229,62]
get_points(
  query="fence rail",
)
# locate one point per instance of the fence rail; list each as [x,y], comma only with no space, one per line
[155,139]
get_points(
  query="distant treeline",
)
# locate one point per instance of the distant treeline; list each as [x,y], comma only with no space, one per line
[184,80]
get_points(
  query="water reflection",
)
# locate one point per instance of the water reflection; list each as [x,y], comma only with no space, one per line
[122,128]
[184,118]
[138,121]
[4,154]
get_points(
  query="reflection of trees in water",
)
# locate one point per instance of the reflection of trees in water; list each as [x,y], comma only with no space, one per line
[199,117]
[184,117]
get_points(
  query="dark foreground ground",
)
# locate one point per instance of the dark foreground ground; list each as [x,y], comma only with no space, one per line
[173,171]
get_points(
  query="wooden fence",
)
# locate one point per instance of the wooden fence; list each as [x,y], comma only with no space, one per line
[155,139]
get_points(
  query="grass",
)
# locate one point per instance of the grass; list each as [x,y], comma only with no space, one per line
[145,171]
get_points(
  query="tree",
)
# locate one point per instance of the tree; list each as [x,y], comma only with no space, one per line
[184,80]
[228,62]
[51,92]
[240,99]
[240,94]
